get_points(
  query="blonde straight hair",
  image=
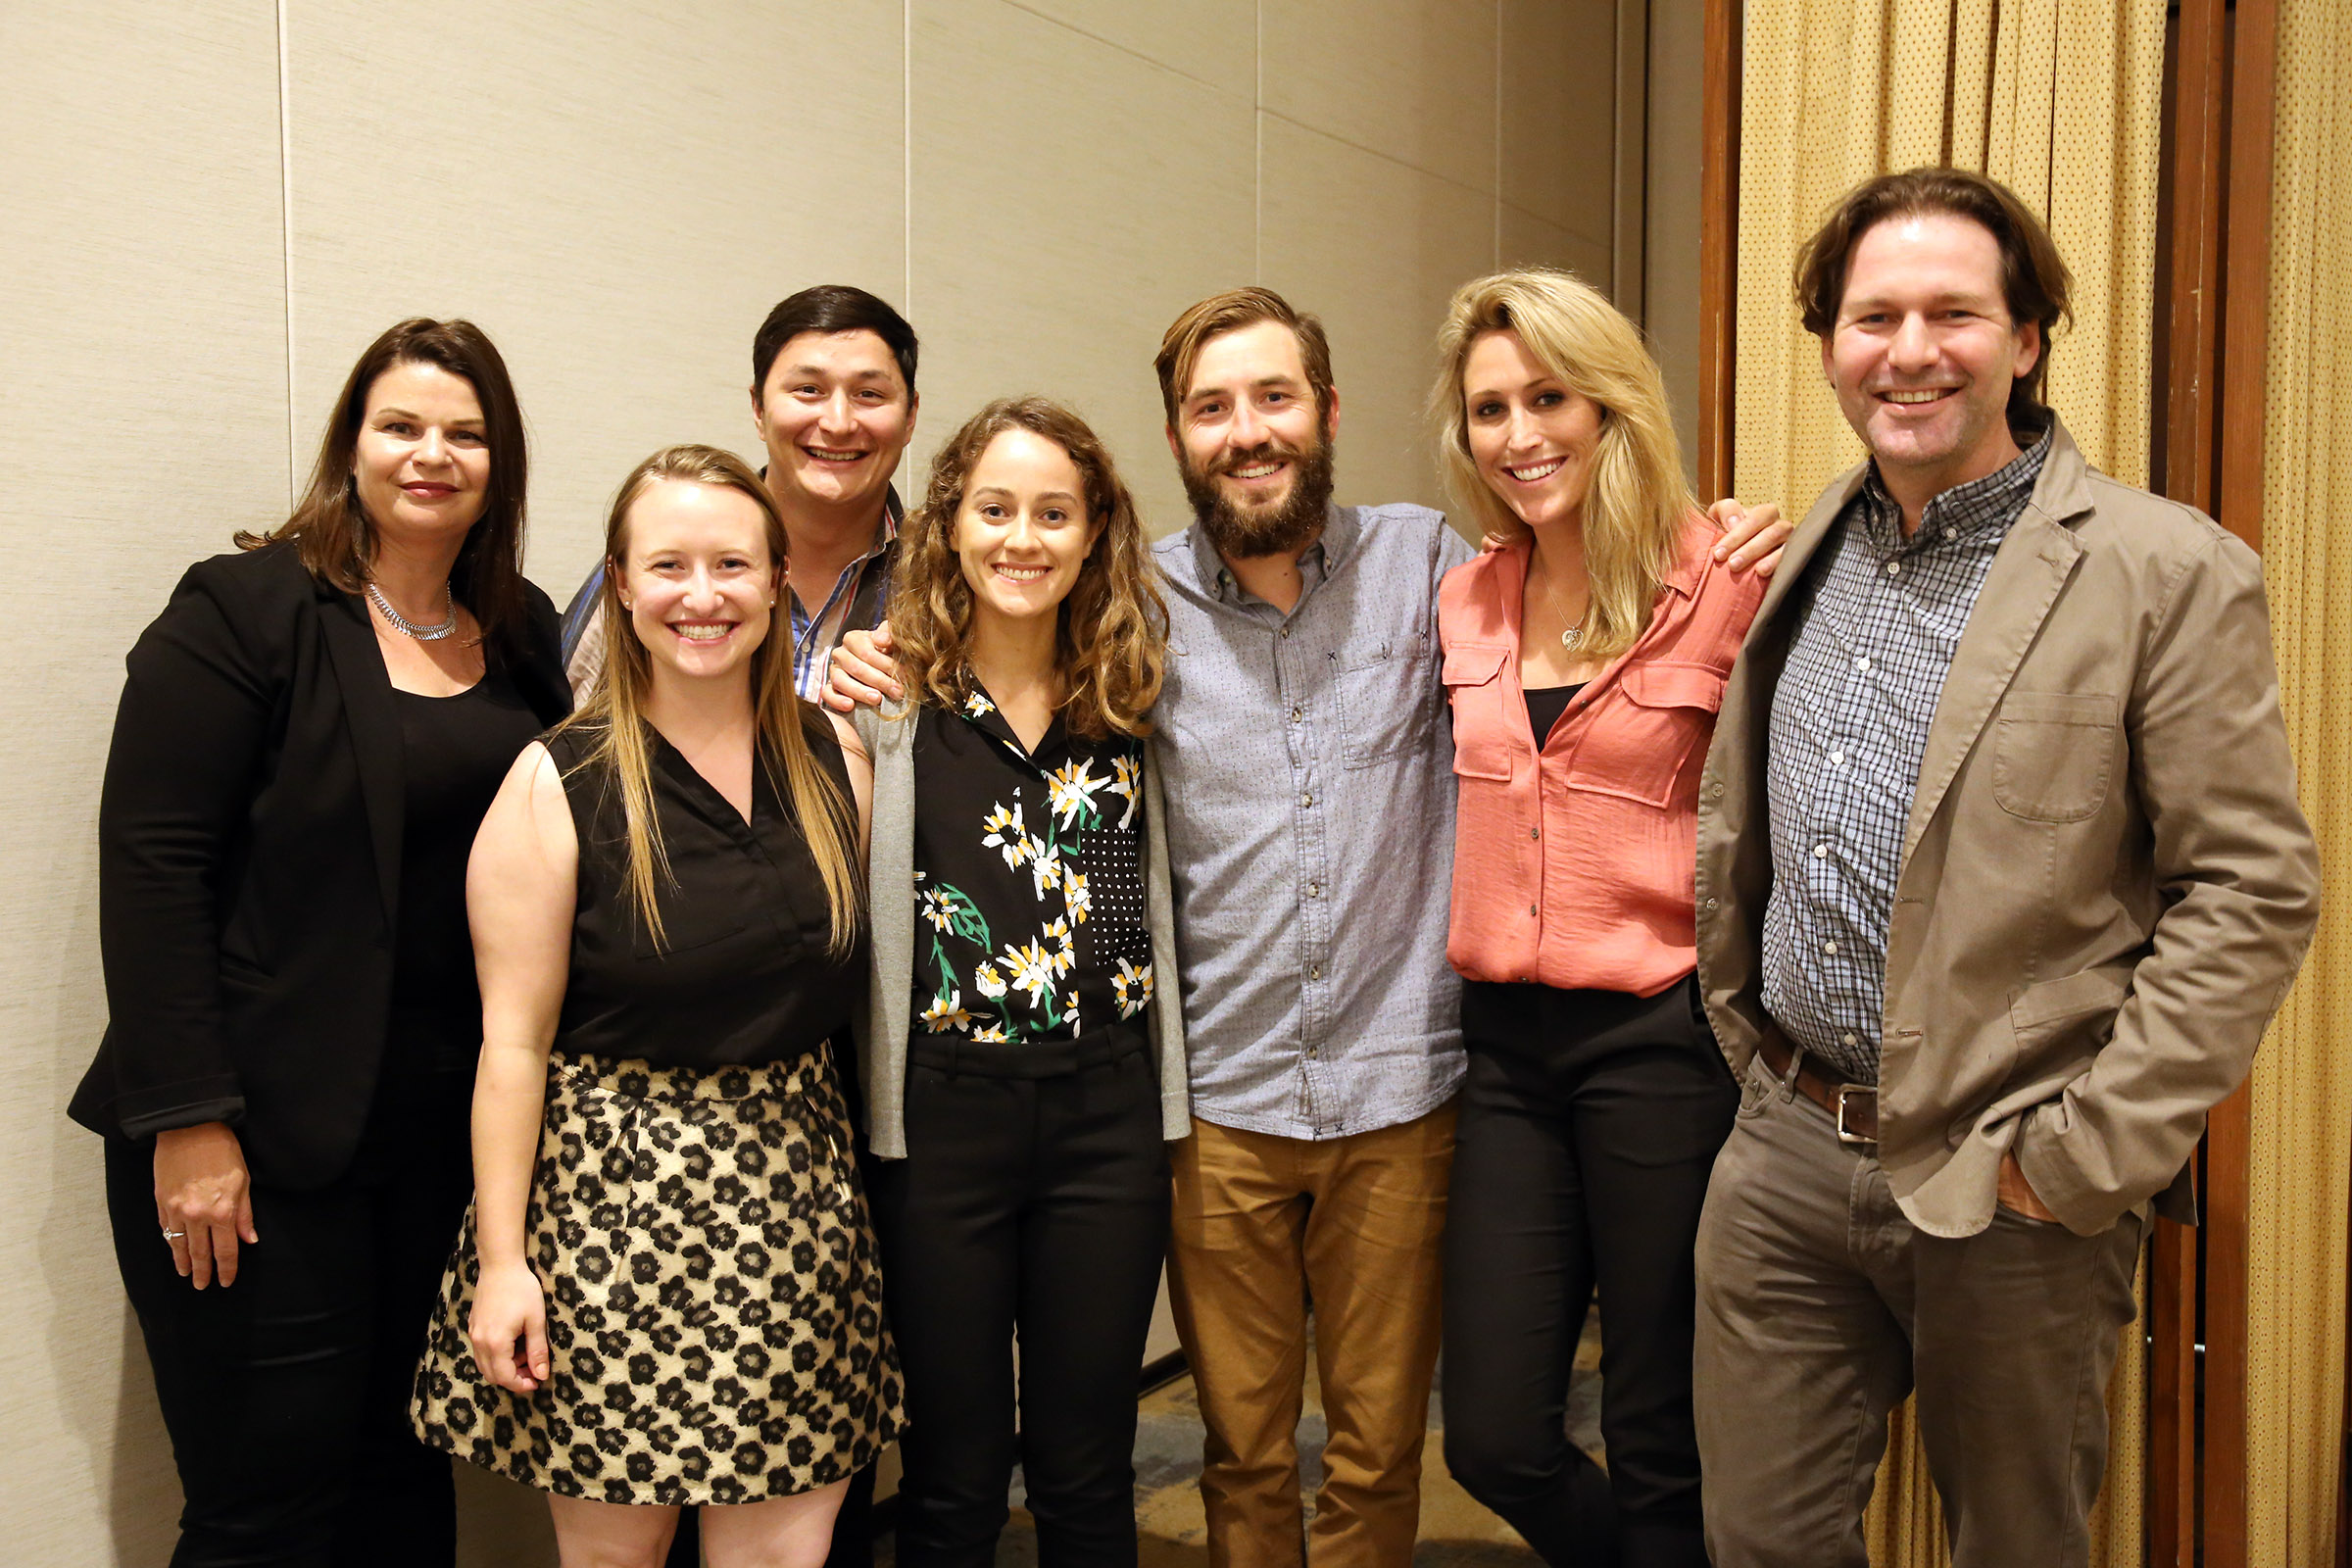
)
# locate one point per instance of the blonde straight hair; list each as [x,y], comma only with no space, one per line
[614,711]
[1638,504]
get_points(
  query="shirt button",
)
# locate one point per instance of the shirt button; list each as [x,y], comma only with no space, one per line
[1296,712]
[1315,973]
[1830,947]
[1837,759]
[1308,799]
[1535,832]
[1894,569]
[1821,852]
[1286,631]
[1850,1039]
[1310,1052]
[1710,903]
[1530,908]
[1863,664]
[1314,890]
[1716,791]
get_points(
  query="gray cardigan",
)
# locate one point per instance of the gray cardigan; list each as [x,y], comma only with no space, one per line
[889,737]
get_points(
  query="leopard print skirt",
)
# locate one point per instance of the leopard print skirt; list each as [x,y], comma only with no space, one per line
[713,1300]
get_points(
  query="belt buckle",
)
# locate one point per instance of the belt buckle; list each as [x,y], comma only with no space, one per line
[1846,1136]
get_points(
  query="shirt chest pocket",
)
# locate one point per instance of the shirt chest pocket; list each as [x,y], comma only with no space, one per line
[1482,746]
[1387,703]
[2053,754]
[1645,734]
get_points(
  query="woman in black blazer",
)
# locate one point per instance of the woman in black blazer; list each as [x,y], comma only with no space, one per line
[308,736]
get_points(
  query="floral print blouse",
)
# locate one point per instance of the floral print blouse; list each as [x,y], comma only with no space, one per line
[1028,879]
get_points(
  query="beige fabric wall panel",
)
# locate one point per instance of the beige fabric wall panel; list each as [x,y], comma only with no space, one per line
[625,195]
[1556,68]
[1211,41]
[1404,78]
[1069,198]
[1375,248]
[1526,240]
[142,418]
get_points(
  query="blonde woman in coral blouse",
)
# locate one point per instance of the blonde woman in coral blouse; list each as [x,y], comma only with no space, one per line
[1586,651]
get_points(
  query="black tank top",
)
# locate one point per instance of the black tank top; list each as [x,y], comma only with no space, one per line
[742,976]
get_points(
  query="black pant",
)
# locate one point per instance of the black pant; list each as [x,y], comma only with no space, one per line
[1036,1205]
[1589,1121]
[286,1395]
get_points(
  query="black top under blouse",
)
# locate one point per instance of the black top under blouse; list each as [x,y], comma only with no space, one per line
[1545,704]
[455,751]
[742,976]
[1028,879]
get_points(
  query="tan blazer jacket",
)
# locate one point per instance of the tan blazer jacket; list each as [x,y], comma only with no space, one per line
[2106,884]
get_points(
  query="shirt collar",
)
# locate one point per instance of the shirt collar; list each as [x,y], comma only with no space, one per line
[1991,503]
[1317,561]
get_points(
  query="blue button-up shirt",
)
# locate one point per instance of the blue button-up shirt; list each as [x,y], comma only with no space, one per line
[1876,633]
[1310,779]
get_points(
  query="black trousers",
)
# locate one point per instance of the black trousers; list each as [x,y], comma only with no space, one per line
[1035,1205]
[286,1395]
[1589,1121]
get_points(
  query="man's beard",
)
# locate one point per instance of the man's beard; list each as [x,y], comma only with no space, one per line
[1282,528]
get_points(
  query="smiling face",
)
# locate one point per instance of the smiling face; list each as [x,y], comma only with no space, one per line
[1923,354]
[836,415]
[1532,438]
[1023,532]
[1255,455]
[421,464]
[697,578]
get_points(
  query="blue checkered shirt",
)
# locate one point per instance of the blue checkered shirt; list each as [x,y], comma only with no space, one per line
[1879,619]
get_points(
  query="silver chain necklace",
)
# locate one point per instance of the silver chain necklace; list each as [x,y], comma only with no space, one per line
[401,623]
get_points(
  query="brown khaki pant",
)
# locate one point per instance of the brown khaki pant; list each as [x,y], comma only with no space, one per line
[1820,1307]
[1262,1224]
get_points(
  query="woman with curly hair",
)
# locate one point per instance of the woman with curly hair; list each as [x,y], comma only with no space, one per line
[666,1293]
[1019,1078]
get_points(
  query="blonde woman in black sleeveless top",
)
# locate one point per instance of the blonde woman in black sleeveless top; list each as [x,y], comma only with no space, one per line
[667,1293]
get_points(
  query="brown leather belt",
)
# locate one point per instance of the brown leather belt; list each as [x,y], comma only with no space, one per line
[1855,1107]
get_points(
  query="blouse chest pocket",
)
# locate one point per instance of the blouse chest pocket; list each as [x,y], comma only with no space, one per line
[1645,734]
[1482,739]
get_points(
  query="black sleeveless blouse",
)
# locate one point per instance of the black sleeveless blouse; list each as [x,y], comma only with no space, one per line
[741,977]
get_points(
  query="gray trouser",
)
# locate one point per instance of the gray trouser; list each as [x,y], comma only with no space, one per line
[1820,1307]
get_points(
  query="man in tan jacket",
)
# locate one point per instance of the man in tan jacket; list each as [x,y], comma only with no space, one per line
[2000,877]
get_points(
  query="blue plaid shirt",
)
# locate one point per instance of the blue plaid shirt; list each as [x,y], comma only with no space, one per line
[1877,627]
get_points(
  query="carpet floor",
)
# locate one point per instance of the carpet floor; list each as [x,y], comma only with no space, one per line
[1455,1531]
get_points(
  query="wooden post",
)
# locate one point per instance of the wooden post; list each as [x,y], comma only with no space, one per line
[1719,247]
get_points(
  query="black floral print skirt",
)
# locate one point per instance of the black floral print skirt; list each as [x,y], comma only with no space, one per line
[713,1300]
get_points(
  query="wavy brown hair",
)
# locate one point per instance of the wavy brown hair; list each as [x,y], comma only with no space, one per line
[1111,646]
[2034,282]
[1637,505]
[329,526]
[615,711]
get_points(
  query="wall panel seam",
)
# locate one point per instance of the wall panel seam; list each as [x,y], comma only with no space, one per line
[1386,158]
[285,219]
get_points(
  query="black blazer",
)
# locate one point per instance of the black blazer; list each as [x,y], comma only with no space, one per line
[249,863]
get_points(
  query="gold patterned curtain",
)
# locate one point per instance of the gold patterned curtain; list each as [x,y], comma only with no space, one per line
[2061,101]
[2302,1087]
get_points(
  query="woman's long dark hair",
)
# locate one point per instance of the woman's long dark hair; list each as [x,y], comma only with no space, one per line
[329,526]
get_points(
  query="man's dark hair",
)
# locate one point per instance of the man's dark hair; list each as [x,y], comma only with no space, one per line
[831,307]
[2034,282]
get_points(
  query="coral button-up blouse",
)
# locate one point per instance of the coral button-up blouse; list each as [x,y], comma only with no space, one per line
[1573,864]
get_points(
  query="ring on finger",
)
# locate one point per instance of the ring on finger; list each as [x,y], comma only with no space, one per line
[173,1236]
